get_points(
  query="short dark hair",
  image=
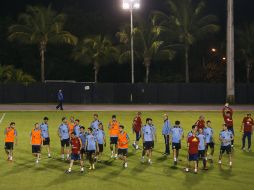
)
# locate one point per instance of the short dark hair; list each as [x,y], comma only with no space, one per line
[96,114]
[248,113]
[177,122]
[63,118]
[224,125]
[90,128]
[194,126]
[72,133]
[208,121]
[77,120]
[82,127]
[121,126]
[113,116]
[148,119]
[45,118]
[36,124]
[12,123]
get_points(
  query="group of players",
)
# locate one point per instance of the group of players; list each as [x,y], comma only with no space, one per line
[90,143]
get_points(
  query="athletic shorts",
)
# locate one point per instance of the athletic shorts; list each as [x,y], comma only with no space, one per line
[113,140]
[8,146]
[226,149]
[75,156]
[100,147]
[193,157]
[36,149]
[211,145]
[176,146]
[231,128]
[201,153]
[138,135]
[123,152]
[65,142]
[46,141]
[82,151]
[90,152]
[148,145]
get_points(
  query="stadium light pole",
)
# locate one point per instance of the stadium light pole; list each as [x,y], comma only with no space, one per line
[230,52]
[131,5]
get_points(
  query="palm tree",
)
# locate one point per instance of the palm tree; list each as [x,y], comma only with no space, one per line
[245,43]
[147,44]
[185,17]
[41,26]
[97,50]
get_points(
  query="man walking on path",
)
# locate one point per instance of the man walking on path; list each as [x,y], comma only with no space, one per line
[60,99]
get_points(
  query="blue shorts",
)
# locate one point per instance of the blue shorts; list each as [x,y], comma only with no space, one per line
[193,157]
[113,140]
[75,156]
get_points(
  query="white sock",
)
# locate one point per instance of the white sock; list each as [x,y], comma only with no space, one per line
[69,169]
[175,159]
[62,156]
[195,169]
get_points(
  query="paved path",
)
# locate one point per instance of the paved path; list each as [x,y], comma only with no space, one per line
[51,107]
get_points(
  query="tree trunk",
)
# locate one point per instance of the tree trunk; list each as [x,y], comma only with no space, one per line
[42,55]
[187,75]
[96,71]
[147,62]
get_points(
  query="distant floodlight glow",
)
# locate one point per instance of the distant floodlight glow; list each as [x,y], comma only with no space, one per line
[126,5]
[131,4]
[136,5]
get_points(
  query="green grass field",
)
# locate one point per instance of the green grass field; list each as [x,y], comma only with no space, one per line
[23,173]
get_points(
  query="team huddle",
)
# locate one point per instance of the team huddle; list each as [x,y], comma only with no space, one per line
[80,144]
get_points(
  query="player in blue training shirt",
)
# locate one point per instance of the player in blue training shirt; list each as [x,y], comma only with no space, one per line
[63,133]
[45,135]
[95,123]
[177,135]
[82,136]
[208,132]
[101,138]
[165,132]
[91,147]
[148,134]
[76,128]
[202,147]
[226,138]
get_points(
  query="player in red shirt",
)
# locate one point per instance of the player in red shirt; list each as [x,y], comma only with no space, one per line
[200,122]
[229,122]
[193,143]
[225,109]
[247,129]
[76,145]
[136,127]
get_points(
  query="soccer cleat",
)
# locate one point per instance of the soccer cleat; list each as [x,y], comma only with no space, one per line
[93,167]
[49,156]
[248,150]
[90,168]
[175,163]
[37,161]
[187,169]
[243,148]
[82,170]
[230,163]
[195,171]
[125,165]
[136,147]
[10,158]
[68,171]
[219,162]
[143,159]
[115,155]
[150,161]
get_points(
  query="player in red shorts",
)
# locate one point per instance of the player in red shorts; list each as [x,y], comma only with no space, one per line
[193,143]
[200,122]
[247,129]
[76,145]
[136,127]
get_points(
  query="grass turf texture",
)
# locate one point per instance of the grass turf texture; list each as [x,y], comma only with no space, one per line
[23,173]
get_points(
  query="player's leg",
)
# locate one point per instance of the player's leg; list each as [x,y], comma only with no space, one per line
[243,140]
[188,163]
[71,164]
[125,158]
[196,166]
[62,149]
[116,149]
[249,140]
[150,156]
[222,150]
[81,165]
[204,160]
[92,160]
[111,147]
[229,152]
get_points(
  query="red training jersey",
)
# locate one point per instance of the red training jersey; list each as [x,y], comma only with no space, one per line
[226,109]
[200,124]
[137,124]
[193,144]
[75,143]
[248,123]
[228,120]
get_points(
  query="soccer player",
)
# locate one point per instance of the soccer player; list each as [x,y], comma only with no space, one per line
[165,132]
[60,99]
[177,135]
[82,136]
[10,139]
[229,122]
[200,122]
[226,109]
[91,147]
[194,129]
[123,141]
[113,127]
[36,142]
[193,143]
[148,136]
[76,145]
[45,134]
[100,136]
[247,129]
[63,133]
[136,128]
[202,147]
[71,125]
[225,138]
[76,128]
[95,123]
[208,131]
